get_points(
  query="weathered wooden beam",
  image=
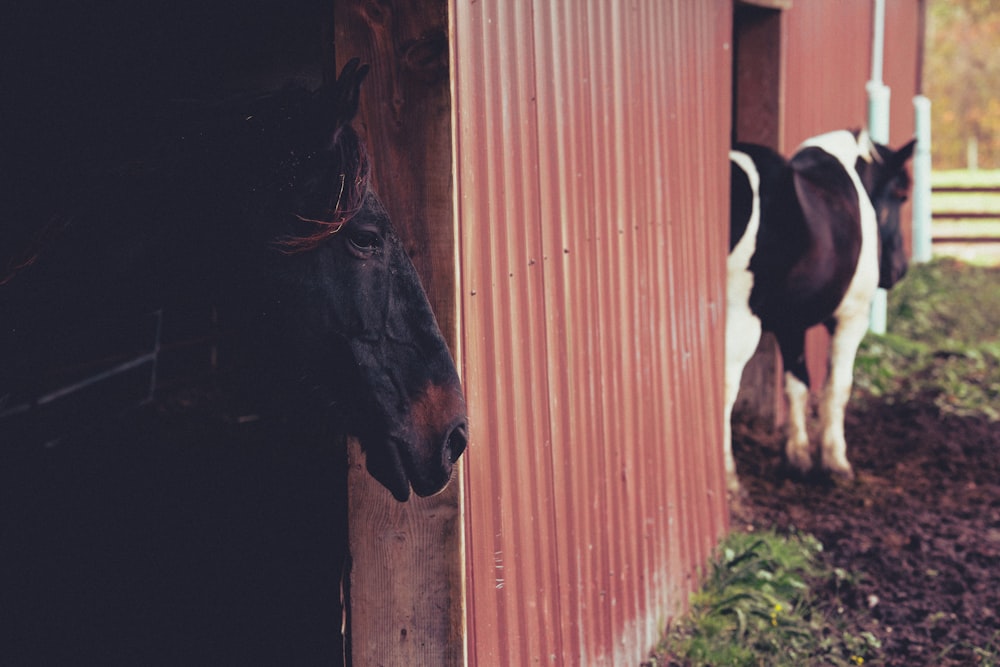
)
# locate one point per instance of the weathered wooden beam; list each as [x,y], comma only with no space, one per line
[405,583]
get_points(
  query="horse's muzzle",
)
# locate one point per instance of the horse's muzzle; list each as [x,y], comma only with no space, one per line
[419,454]
[432,477]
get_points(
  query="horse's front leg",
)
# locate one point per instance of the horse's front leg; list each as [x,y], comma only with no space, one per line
[847,334]
[797,450]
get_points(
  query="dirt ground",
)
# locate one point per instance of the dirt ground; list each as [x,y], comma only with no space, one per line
[919,529]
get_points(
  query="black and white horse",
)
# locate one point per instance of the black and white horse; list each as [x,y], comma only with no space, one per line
[811,238]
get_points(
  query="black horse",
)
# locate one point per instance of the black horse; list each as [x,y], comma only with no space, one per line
[207,526]
[810,240]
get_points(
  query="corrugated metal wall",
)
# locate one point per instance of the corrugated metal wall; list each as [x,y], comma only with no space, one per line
[591,188]
[827,59]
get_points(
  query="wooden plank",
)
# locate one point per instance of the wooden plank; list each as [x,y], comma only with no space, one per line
[761,395]
[967,189]
[405,578]
[966,239]
[966,215]
[405,583]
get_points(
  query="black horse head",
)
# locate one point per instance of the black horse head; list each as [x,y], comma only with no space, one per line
[887,182]
[263,210]
[344,301]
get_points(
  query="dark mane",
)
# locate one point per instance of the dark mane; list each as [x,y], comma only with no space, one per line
[351,155]
[289,146]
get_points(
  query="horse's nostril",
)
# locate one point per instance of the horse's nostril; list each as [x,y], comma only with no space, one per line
[456,442]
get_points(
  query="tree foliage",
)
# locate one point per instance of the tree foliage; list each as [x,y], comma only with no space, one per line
[962,79]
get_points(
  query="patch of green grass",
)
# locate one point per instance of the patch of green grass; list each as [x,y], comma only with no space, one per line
[757,608]
[943,340]
[946,301]
[986,656]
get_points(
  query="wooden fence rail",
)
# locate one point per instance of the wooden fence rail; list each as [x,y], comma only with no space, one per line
[976,238]
[966,215]
[967,189]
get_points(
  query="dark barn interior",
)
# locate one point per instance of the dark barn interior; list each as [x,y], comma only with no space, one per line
[81,80]
[176,530]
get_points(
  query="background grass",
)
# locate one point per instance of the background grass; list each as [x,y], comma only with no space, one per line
[760,604]
[943,340]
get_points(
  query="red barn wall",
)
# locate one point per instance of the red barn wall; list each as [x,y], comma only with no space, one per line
[591,186]
[828,61]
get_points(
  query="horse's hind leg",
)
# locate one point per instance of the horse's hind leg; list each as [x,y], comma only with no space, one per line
[792,345]
[847,335]
[743,332]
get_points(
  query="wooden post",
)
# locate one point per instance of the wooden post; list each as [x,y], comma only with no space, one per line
[757,103]
[761,394]
[405,583]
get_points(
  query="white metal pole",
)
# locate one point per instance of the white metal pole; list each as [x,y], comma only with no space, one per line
[922,181]
[878,128]
[878,39]
[878,111]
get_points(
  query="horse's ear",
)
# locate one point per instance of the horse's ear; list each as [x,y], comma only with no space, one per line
[339,100]
[349,88]
[900,156]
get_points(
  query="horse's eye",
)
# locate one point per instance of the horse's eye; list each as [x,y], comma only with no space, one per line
[364,241]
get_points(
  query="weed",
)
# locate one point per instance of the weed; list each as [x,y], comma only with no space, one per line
[985,656]
[757,608]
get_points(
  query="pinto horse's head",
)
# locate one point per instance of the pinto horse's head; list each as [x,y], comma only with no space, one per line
[883,173]
[343,311]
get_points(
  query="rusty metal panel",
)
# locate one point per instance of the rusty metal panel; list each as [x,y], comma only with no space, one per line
[903,45]
[591,190]
[827,60]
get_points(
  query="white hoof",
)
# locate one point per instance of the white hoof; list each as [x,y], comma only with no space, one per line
[733,487]
[799,456]
[839,469]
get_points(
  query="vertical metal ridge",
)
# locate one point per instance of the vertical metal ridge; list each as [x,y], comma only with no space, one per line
[586,426]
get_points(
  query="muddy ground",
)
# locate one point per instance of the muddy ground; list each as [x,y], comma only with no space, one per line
[918,531]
